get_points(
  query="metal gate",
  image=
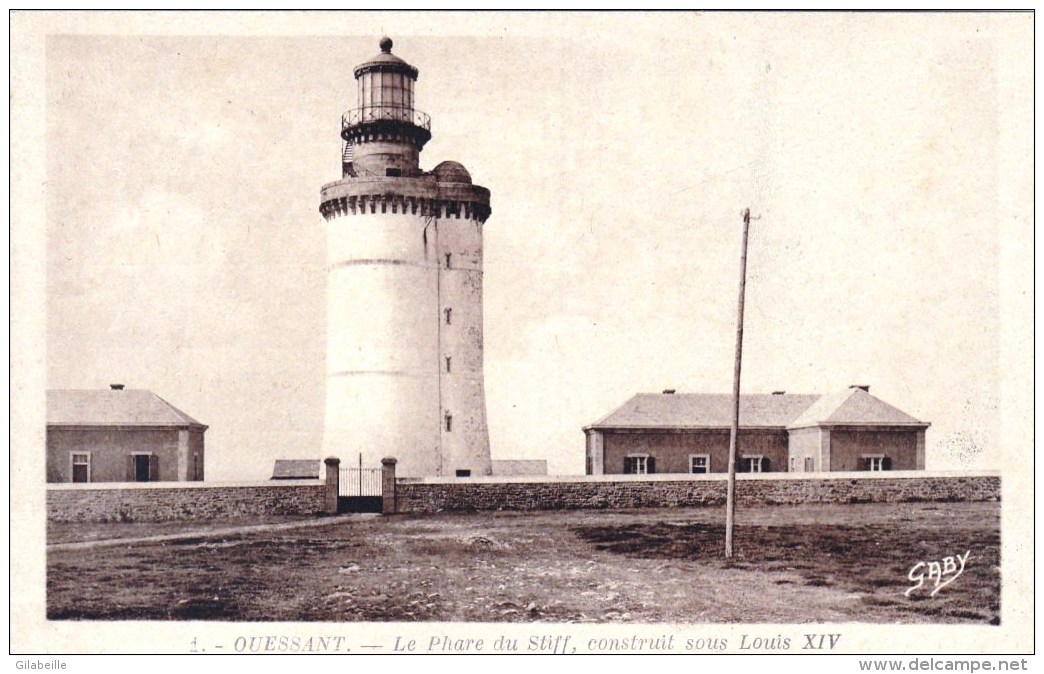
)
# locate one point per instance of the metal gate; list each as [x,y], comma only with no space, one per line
[360,482]
[359,490]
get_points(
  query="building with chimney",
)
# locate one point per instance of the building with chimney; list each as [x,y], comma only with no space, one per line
[120,435]
[404,354]
[673,432]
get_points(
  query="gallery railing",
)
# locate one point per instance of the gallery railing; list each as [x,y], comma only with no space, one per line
[375,113]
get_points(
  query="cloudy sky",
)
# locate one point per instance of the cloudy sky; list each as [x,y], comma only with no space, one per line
[886,157]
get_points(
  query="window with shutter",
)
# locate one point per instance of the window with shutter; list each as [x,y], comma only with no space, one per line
[637,464]
[874,462]
[751,464]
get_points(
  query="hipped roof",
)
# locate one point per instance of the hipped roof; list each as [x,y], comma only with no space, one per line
[130,407]
[853,407]
[788,410]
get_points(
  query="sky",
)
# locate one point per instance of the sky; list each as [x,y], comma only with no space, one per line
[885,158]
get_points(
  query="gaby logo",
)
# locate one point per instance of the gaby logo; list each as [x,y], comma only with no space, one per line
[942,572]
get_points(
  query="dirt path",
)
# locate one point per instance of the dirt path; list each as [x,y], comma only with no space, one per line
[208,533]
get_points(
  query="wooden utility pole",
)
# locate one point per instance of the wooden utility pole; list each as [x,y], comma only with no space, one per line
[730,498]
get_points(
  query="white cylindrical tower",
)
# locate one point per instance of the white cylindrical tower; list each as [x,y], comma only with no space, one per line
[404,294]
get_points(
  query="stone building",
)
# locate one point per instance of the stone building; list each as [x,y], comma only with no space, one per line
[120,435]
[689,433]
[404,358]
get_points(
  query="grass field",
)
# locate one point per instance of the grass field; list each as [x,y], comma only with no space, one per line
[793,564]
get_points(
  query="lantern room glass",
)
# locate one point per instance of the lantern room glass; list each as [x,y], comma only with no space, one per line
[385,95]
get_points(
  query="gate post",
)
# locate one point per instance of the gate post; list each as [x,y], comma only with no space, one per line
[388,504]
[333,476]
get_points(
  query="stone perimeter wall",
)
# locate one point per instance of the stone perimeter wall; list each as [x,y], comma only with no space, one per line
[157,502]
[447,494]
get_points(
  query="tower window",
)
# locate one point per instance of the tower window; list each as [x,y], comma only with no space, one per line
[449,314]
[393,172]
[463,473]
[448,256]
[449,422]
[448,361]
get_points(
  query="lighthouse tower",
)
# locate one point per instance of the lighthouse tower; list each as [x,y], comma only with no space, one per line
[404,291]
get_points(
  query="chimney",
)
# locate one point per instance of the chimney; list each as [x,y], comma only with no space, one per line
[865,387]
[116,387]
[668,391]
[778,393]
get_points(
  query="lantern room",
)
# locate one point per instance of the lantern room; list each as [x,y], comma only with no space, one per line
[384,135]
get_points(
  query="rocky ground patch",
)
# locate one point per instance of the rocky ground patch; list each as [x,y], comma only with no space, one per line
[845,563]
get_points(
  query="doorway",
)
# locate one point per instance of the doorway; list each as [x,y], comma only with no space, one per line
[141,467]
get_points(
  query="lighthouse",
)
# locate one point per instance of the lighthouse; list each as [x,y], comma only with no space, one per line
[404,290]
